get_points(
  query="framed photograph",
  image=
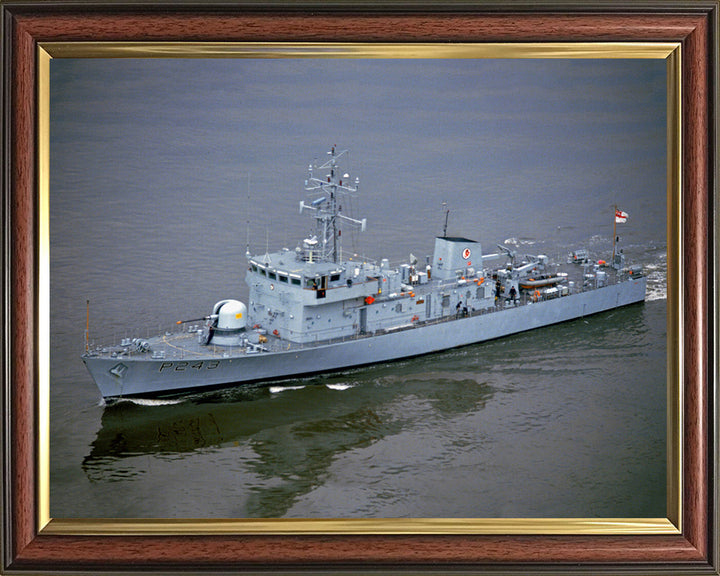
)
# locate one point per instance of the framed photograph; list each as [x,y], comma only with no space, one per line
[155,156]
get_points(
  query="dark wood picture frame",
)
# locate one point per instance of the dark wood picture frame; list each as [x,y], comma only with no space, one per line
[28,24]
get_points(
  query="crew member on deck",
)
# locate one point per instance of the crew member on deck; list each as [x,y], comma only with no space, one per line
[513,295]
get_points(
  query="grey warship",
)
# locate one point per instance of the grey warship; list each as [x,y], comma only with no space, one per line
[312,311]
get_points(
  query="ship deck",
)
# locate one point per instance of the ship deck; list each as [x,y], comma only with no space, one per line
[183,342]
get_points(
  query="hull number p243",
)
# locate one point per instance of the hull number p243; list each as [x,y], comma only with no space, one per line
[182,366]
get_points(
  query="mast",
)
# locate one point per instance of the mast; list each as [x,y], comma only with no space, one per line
[615,210]
[447,214]
[333,201]
[327,208]
[247,220]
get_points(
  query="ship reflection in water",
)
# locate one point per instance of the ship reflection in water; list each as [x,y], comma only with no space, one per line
[283,438]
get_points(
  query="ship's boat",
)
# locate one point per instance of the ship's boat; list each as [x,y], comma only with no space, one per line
[533,283]
[310,310]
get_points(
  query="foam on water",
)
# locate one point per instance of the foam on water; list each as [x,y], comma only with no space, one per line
[656,273]
[519,241]
[656,287]
[339,386]
[278,389]
[151,401]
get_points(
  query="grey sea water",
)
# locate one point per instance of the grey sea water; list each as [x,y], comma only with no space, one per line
[162,173]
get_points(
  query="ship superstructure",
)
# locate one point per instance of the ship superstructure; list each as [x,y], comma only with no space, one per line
[310,310]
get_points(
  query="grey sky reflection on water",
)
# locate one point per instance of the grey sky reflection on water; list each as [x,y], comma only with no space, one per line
[536,133]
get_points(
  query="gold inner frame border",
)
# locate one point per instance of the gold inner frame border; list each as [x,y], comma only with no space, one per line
[669,51]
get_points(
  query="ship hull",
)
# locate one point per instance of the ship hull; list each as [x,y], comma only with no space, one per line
[159,377]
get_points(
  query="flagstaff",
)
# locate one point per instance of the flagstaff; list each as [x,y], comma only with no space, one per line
[87,326]
[614,234]
[620,217]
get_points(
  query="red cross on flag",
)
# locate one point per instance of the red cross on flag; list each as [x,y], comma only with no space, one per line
[620,216]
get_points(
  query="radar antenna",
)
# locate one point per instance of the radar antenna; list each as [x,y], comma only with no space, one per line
[327,207]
